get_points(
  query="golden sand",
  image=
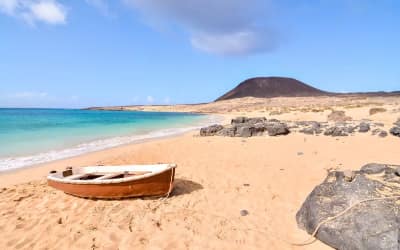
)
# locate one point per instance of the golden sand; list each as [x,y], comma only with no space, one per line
[217,177]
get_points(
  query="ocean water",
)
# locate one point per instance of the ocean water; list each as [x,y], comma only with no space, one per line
[33,136]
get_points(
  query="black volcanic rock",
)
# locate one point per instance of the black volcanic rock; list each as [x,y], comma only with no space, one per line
[395,131]
[210,130]
[272,87]
[372,225]
[364,127]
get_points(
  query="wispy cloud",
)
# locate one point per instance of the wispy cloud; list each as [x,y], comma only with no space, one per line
[234,43]
[28,95]
[226,27]
[102,6]
[8,6]
[32,11]
[150,99]
[38,99]
[167,100]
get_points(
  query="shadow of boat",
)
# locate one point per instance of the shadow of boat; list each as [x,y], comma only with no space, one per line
[183,187]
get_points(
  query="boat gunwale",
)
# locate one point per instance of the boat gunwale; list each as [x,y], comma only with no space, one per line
[55,178]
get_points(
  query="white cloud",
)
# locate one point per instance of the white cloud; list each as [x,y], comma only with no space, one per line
[150,99]
[32,11]
[49,11]
[239,43]
[227,27]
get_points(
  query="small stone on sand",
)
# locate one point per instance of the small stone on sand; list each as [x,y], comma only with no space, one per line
[244,212]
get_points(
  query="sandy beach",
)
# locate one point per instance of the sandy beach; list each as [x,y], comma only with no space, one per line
[196,125]
[216,178]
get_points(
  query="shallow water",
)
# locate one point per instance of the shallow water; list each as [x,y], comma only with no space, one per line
[32,136]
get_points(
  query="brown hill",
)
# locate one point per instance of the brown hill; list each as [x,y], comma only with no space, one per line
[272,87]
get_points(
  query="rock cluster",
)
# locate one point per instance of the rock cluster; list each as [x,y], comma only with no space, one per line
[247,127]
[259,126]
[310,128]
[340,130]
[371,224]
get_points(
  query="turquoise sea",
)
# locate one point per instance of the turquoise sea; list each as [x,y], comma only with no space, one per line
[32,136]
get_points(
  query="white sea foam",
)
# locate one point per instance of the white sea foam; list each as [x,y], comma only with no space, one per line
[12,163]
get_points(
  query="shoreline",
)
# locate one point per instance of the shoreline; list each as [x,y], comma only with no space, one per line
[105,150]
[39,171]
[100,145]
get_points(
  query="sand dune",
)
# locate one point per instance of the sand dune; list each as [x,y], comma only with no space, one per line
[246,105]
[217,177]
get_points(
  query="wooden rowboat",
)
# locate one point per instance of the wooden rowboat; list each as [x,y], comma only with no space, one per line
[110,182]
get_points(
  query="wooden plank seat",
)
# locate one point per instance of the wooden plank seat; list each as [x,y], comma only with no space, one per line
[76,176]
[110,176]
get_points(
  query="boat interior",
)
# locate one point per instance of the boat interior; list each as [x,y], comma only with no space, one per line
[102,173]
[68,174]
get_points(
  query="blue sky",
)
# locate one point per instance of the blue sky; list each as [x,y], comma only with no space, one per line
[79,53]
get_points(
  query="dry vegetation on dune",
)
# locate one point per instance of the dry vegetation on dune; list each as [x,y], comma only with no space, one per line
[374,111]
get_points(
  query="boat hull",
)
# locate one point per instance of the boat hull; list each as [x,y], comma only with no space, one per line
[156,185]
